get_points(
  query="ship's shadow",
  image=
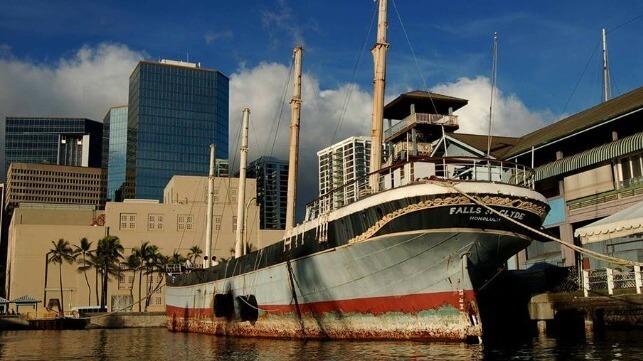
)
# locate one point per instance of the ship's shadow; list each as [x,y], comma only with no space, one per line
[306,272]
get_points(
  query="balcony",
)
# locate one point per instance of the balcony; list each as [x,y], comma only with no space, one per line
[418,120]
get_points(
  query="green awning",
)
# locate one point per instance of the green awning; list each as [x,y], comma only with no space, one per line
[593,156]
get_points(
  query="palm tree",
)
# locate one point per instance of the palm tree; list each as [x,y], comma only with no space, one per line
[249,249]
[133,263]
[142,253]
[151,260]
[176,258]
[158,267]
[195,252]
[108,255]
[61,252]
[85,252]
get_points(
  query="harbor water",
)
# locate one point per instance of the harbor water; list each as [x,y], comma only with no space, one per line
[160,344]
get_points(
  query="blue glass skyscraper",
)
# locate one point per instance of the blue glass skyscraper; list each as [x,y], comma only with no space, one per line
[114,153]
[176,110]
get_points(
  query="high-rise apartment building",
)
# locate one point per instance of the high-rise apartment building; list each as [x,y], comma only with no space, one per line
[114,153]
[175,111]
[272,190]
[60,141]
[344,163]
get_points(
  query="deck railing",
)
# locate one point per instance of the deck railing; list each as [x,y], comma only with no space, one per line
[421,118]
[460,169]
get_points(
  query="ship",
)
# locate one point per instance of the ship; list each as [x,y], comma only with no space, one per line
[400,253]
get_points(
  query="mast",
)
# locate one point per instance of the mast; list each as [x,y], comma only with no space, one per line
[239,250]
[379,57]
[293,158]
[207,259]
[494,71]
[606,72]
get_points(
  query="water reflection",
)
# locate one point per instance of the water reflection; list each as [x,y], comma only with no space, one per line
[159,344]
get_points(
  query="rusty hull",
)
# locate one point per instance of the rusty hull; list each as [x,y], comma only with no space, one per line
[443,324]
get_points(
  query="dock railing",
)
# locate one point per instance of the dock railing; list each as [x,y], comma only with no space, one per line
[611,279]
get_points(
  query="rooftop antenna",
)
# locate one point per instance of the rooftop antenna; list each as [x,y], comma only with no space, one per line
[494,70]
[606,71]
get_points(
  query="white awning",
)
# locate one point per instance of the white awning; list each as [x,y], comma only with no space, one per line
[624,223]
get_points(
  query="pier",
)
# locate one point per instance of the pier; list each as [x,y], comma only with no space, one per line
[608,298]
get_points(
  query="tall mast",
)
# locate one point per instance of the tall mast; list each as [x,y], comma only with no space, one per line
[606,72]
[379,57]
[494,72]
[241,199]
[293,159]
[207,260]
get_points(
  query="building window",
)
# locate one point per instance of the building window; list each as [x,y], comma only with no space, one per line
[128,221]
[217,222]
[234,223]
[125,278]
[632,168]
[155,222]
[233,195]
[184,222]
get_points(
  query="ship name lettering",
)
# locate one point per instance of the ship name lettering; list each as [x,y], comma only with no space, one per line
[513,214]
[465,210]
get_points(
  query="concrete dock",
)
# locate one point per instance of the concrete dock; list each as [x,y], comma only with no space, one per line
[571,313]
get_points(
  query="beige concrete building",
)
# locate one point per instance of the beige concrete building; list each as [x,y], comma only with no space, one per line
[175,225]
[59,184]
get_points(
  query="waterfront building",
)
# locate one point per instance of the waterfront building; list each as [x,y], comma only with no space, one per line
[271,175]
[175,111]
[343,163]
[175,225]
[50,140]
[589,166]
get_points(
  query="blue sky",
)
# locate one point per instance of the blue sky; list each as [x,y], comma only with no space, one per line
[73,58]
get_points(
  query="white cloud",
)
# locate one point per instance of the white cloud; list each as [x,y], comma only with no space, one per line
[212,37]
[86,85]
[267,90]
[510,116]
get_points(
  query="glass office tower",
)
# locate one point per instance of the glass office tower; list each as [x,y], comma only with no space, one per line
[176,110]
[272,190]
[60,141]
[114,153]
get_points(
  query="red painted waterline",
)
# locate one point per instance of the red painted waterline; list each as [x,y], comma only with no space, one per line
[460,300]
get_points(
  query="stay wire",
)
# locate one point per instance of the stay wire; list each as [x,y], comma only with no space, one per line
[417,64]
[352,83]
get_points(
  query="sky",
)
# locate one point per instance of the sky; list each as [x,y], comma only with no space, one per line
[73,58]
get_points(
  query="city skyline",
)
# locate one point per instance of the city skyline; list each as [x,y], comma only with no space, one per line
[549,61]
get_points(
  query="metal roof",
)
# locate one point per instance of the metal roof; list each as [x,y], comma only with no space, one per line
[593,116]
[25,299]
[424,102]
[499,145]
